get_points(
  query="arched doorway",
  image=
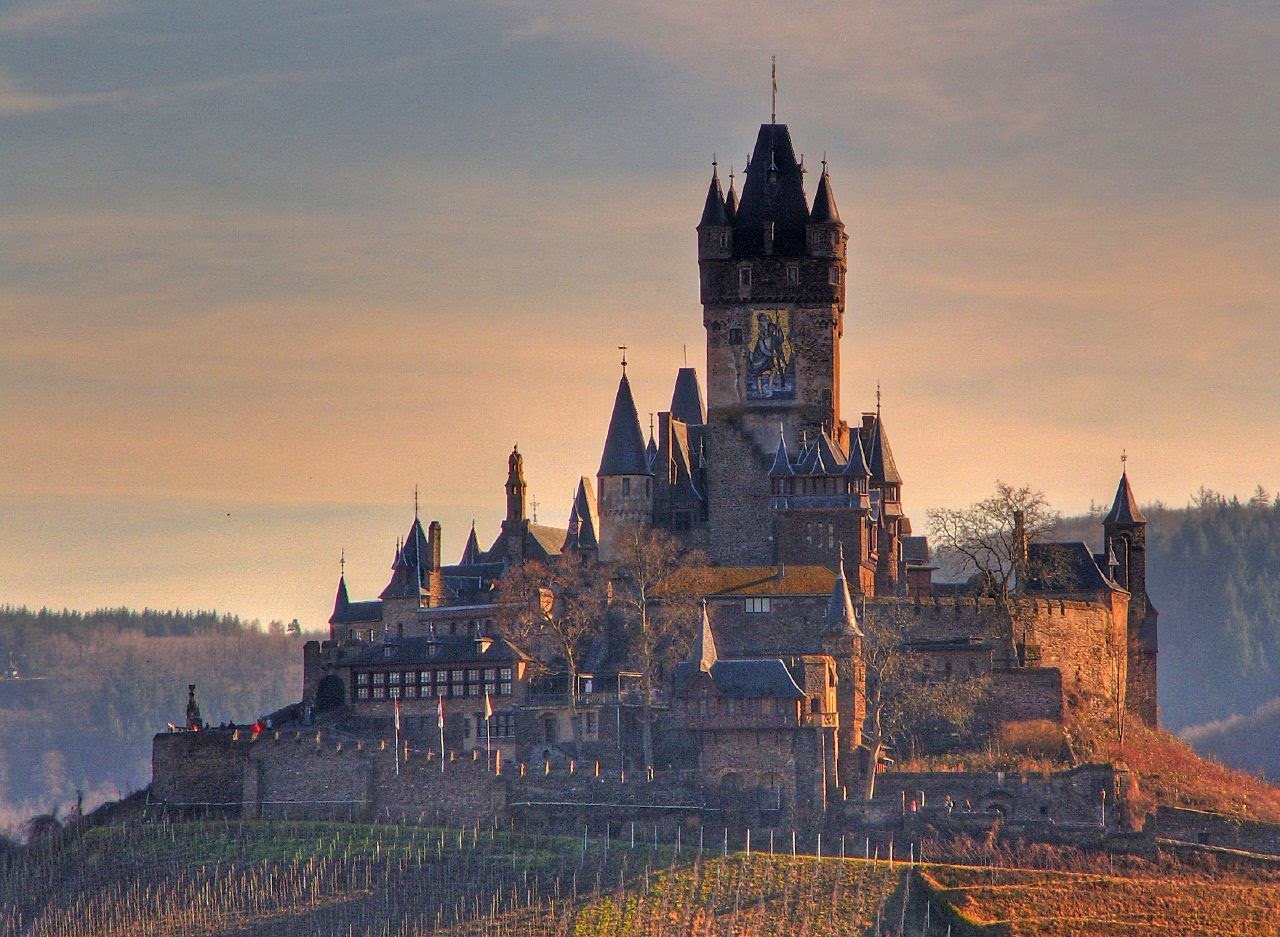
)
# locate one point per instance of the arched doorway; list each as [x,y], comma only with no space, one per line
[331,693]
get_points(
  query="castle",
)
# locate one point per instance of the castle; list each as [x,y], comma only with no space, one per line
[800,514]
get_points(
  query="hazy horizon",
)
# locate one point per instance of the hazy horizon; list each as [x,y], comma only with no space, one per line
[265,269]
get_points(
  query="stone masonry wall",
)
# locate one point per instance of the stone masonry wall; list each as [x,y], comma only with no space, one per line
[204,768]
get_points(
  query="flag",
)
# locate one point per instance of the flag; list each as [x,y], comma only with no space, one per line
[440,712]
[397,707]
[488,707]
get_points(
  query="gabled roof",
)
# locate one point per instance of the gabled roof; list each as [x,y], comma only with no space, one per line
[624,445]
[772,193]
[686,400]
[840,619]
[824,202]
[880,456]
[915,551]
[1064,568]
[713,212]
[471,552]
[1125,508]
[857,464]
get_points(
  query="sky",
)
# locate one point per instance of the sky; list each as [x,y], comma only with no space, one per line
[266,267]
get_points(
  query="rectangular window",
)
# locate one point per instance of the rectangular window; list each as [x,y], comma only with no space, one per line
[393,677]
[504,673]
[424,676]
[362,693]
[362,678]
[503,725]
[793,275]
[735,336]
[410,691]
[466,728]
[758,605]
[744,278]
[593,723]
[379,693]
[379,679]
[473,689]
[504,688]
[834,276]
[394,692]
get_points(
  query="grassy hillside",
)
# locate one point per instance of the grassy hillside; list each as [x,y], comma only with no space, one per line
[285,879]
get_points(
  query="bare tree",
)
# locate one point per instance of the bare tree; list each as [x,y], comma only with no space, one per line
[904,703]
[555,609]
[989,537]
[660,621]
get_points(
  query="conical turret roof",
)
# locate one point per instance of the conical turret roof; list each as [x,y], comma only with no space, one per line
[340,601]
[731,201]
[772,193]
[584,519]
[713,212]
[686,400]
[1125,509]
[471,552]
[880,456]
[840,618]
[624,445]
[824,202]
[781,461]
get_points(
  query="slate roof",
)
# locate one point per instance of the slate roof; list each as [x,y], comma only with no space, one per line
[915,551]
[781,459]
[1125,509]
[773,192]
[450,648]
[358,613]
[857,464]
[880,456]
[624,444]
[471,552]
[1064,568]
[753,679]
[713,212]
[686,400]
[584,518]
[341,600]
[550,539]
[824,202]
[731,200]
[839,618]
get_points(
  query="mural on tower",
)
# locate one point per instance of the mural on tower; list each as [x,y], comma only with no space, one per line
[771,373]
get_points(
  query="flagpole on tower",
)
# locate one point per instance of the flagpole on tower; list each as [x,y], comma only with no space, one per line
[488,731]
[440,723]
[773,108]
[397,752]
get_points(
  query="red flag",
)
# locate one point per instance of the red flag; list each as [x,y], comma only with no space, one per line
[488,707]
[397,714]
[440,712]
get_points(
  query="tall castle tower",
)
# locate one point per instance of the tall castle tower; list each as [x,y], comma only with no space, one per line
[625,478]
[1125,534]
[773,296]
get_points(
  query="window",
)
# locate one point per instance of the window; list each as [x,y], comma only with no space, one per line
[379,679]
[362,678]
[744,278]
[393,677]
[833,276]
[724,239]
[735,336]
[502,725]
[593,723]
[732,705]
[424,676]
[793,275]
[410,691]
[466,727]
[394,692]
[758,605]
[626,487]
[362,692]
[379,693]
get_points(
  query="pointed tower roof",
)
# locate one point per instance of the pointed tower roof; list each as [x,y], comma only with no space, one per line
[880,456]
[624,446]
[1125,509]
[857,464]
[340,601]
[471,552]
[713,212]
[731,200]
[704,646]
[686,400]
[824,201]
[417,548]
[840,618]
[584,518]
[781,461]
[773,192]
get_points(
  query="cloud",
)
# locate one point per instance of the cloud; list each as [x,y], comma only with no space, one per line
[54,15]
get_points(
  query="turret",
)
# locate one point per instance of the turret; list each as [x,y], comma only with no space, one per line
[715,229]
[1125,534]
[516,487]
[825,231]
[842,639]
[625,479]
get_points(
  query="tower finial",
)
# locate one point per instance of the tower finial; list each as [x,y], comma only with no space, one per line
[415,502]
[684,349]
[342,562]
[623,349]
[773,115]
[877,401]
[651,424]
[1124,457]
[534,504]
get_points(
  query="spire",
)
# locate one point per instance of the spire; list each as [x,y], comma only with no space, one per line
[471,552]
[824,201]
[624,445]
[713,211]
[879,456]
[781,461]
[516,487]
[1125,508]
[731,201]
[704,646]
[686,400]
[584,518]
[651,450]
[341,600]
[840,619]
